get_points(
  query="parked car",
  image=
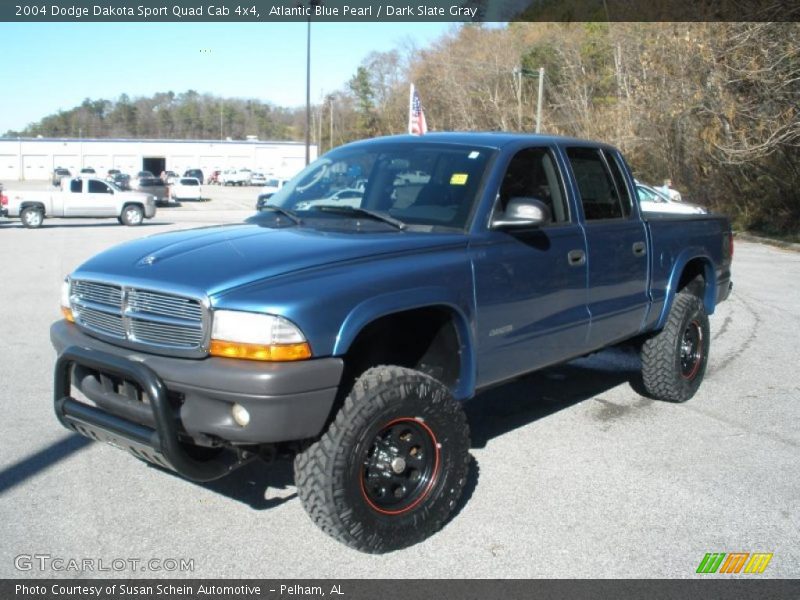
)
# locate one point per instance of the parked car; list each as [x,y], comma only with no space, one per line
[266,192]
[122,181]
[235,177]
[81,197]
[258,178]
[196,173]
[187,188]
[60,173]
[87,172]
[170,177]
[652,200]
[214,178]
[351,337]
[112,173]
[347,197]
[155,186]
[134,181]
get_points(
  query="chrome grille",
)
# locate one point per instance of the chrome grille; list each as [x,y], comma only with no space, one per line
[102,322]
[160,304]
[141,318]
[161,333]
[100,293]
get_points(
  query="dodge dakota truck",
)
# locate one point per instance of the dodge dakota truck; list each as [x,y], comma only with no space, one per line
[349,336]
[80,197]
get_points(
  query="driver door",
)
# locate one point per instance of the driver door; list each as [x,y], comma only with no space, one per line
[530,283]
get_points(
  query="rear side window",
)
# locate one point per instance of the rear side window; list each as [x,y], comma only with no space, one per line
[76,186]
[599,195]
[619,180]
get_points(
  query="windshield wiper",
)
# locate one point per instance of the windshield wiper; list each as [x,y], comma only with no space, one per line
[285,212]
[363,211]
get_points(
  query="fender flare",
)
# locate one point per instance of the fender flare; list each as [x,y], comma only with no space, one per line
[683,259]
[387,304]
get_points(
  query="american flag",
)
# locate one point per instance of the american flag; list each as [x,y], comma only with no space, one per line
[416,116]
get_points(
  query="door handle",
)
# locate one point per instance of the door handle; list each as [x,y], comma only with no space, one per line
[576,258]
[639,248]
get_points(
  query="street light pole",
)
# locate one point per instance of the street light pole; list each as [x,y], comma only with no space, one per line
[312,5]
[308,89]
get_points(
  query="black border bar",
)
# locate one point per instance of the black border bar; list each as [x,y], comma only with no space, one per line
[375,11]
[388,589]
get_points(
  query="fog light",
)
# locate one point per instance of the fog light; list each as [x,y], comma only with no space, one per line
[240,415]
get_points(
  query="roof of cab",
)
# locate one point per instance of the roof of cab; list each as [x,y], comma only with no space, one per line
[489,139]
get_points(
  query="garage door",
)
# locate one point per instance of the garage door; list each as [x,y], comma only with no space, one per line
[99,162]
[35,167]
[127,163]
[9,167]
[67,161]
[209,164]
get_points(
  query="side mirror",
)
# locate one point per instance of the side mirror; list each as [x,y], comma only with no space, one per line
[522,212]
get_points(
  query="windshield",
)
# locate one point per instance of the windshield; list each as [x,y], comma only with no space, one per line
[422,185]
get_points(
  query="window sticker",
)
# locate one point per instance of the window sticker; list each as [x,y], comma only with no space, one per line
[458,179]
[474,154]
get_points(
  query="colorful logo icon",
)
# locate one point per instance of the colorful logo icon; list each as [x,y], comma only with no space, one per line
[734,562]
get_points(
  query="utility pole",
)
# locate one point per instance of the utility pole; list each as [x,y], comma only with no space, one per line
[519,97]
[331,140]
[220,119]
[539,100]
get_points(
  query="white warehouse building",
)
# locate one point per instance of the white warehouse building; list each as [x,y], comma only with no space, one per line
[35,158]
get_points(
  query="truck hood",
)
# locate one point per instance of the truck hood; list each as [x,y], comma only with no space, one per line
[213,260]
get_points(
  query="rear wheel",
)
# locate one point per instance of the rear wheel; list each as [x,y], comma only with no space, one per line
[32,217]
[392,465]
[132,214]
[674,360]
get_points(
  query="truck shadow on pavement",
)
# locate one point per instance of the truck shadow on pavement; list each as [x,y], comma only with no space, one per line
[508,406]
[258,484]
[511,405]
[491,413]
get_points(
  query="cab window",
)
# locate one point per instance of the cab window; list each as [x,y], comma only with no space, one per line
[98,187]
[532,173]
[600,197]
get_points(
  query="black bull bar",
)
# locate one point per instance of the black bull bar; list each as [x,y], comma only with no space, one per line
[160,446]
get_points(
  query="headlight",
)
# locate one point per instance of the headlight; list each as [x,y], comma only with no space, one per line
[66,308]
[254,336]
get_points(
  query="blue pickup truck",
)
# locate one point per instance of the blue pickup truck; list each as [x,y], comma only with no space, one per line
[349,328]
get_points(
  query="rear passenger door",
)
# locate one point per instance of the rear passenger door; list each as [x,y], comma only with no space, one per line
[616,244]
[530,284]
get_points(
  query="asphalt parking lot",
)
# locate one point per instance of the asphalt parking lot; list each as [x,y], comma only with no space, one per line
[574,474]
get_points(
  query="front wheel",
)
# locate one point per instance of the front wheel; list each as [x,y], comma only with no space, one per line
[32,217]
[674,360]
[132,215]
[391,467]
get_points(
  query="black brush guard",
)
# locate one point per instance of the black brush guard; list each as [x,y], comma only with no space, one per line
[160,446]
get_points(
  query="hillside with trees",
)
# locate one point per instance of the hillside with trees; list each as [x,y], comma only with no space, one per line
[168,115]
[713,106]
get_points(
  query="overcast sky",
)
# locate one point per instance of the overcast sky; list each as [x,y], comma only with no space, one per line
[51,66]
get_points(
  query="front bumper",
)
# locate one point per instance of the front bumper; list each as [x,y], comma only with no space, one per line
[141,395]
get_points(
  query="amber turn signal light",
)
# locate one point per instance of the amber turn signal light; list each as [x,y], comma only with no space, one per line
[275,353]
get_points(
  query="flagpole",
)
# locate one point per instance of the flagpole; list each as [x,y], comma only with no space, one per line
[410,106]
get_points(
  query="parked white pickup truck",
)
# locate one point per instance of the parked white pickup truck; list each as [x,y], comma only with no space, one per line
[80,197]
